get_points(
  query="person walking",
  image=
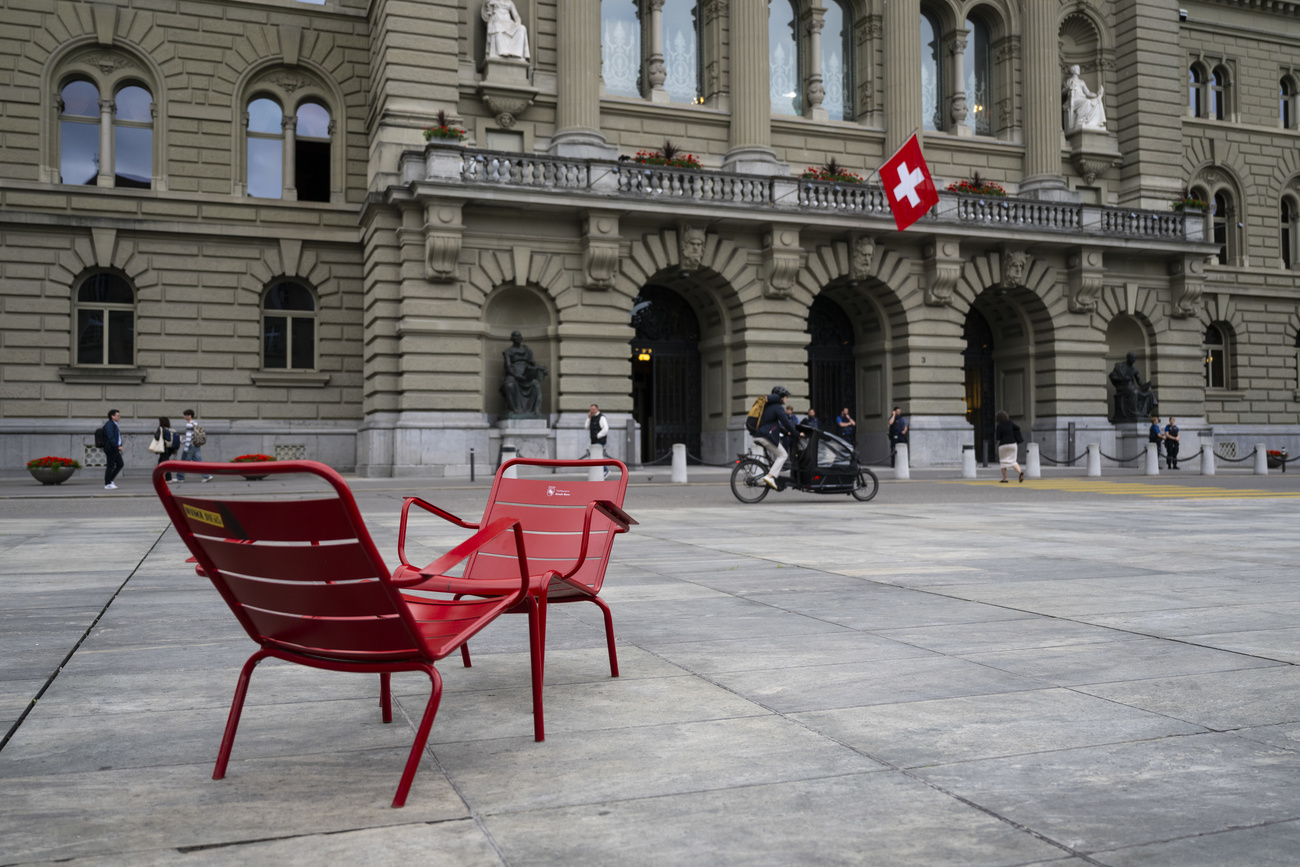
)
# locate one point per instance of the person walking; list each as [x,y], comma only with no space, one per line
[1171,443]
[171,442]
[598,428]
[112,449]
[192,442]
[897,432]
[1009,439]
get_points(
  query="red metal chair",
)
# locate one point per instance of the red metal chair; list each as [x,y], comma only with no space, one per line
[301,574]
[569,527]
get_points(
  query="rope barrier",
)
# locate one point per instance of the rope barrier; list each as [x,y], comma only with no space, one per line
[1052,460]
[703,463]
[1136,457]
[1236,460]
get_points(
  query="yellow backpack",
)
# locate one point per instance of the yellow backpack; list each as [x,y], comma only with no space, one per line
[755,415]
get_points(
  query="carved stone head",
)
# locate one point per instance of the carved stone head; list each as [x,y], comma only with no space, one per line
[692,248]
[864,250]
[1014,268]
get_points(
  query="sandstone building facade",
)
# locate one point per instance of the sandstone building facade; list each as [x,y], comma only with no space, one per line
[231,206]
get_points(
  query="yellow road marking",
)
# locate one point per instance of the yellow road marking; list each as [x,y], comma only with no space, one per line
[1140,489]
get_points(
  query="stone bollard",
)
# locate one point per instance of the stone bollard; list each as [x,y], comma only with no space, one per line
[901,470]
[679,463]
[509,453]
[1207,456]
[968,462]
[1094,460]
[1033,468]
[1153,459]
[1261,459]
[596,453]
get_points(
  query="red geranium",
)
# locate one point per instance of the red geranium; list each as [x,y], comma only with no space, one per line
[251,459]
[53,463]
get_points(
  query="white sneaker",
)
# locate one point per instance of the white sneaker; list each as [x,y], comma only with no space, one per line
[770,482]
[207,478]
[110,487]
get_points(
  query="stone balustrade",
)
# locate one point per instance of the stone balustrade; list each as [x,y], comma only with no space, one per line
[532,172]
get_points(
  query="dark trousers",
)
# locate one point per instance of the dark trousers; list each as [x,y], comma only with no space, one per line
[1171,454]
[114,456]
[165,456]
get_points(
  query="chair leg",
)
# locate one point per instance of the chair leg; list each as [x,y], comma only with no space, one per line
[386,696]
[236,708]
[464,654]
[609,635]
[421,737]
[536,648]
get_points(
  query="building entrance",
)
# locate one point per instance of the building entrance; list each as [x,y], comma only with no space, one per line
[665,372]
[981,404]
[831,385]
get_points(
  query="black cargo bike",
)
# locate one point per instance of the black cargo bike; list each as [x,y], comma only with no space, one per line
[820,463]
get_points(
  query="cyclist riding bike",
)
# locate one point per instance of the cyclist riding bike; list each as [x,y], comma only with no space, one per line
[768,433]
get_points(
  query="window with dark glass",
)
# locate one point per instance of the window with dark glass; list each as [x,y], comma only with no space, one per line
[1218,93]
[1288,233]
[1222,213]
[837,60]
[1196,91]
[1216,357]
[932,84]
[312,153]
[79,133]
[783,57]
[1286,103]
[105,321]
[265,149]
[977,69]
[288,328]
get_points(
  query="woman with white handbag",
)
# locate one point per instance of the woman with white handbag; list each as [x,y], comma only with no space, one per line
[165,442]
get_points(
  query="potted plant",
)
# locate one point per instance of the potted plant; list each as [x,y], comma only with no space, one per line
[252,459]
[1189,202]
[1276,458]
[442,131]
[977,186]
[831,171]
[51,470]
[668,155]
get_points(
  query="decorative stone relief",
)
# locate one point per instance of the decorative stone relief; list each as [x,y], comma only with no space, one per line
[1186,286]
[943,266]
[690,242]
[290,81]
[109,61]
[600,250]
[1085,280]
[862,251]
[713,10]
[1015,268]
[442,239]
[782,257]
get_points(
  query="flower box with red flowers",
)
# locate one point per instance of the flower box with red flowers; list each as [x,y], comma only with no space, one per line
[977,187]
[443,130]
[50,470]
[252,459]
[831,172]
[669,155]
[1276,458]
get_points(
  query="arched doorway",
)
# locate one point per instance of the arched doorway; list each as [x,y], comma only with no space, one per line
[665,372]
[977,361]
[831,385]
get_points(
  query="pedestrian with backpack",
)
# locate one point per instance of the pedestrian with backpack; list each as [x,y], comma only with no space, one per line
[773,426]
[192,442]
[112,439]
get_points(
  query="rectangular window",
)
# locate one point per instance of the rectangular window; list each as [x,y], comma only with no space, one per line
[304,343]
[266,167]
[90,337]
[312,170]
[275,342]
[78,153]
[133,153]
[121,337]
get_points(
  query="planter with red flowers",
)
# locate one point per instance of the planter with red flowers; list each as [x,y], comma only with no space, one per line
[1276,459]
[831,171]
[669,155]
[977,186]
[51,470]
[442,132]
[252,459]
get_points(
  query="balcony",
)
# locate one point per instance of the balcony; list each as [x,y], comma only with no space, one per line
[541,181]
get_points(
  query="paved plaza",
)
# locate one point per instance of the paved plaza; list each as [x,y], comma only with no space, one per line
[1062,672]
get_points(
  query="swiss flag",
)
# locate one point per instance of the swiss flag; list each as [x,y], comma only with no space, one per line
[908,185]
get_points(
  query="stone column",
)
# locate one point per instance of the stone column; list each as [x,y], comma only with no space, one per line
[751,104]
[655,72]
[577,110]
[814,89]
[957,109]
[902,26]
[289,124]
[106,171]
[1042,127]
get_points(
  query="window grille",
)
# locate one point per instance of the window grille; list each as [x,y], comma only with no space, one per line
[290,452]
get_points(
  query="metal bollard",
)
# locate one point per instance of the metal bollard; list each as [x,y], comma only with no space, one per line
[1207,456]
[1261,459]
[596,453]
[1033,467]
[679,463]
[1153,459]
[901,469]
[509,453]
[968,462]
[1094,460]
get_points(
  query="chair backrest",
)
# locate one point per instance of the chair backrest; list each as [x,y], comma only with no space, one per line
[298,570]
[552,514]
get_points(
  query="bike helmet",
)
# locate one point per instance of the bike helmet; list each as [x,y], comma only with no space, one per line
[780,391]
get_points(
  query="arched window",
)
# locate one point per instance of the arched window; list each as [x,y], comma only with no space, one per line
[681,41]
[783,57]
[1217,346]
[265,123]
[977,75]
[1222,215]
[133,138]
[288,327]
[105,317]
[1286,103]
[837,60]
[312,152]
[1196,91]
[932,81]
[1288,227]
[79,133]
[620,47]
[1219,93]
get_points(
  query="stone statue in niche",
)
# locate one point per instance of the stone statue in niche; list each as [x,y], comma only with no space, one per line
[1134,399]
[506,34]
[522,384]
[692,248]
[1083,108]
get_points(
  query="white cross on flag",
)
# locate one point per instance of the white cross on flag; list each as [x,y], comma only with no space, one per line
[908,185]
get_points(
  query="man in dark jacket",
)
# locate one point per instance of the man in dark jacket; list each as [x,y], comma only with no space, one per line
[598,427]
[112,449]
[775,424]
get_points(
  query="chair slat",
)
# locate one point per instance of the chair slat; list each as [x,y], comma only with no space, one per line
[317,520]
[336,637]
[293,563]
[350,599]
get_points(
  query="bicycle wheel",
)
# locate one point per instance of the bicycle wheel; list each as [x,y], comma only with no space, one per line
[866,486]
[747,480]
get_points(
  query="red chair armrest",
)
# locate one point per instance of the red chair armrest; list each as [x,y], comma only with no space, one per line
[469,546]
[428,507]
[622,521]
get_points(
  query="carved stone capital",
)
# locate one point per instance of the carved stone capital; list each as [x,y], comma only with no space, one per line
[656,71]
[1186,286]
[782,258]
[1086,276]
[442,240]
[943,265]
[600,247]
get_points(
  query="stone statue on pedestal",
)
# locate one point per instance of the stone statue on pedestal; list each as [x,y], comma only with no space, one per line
[1134,399]
[522,384]
[1083,108]
[506,34]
